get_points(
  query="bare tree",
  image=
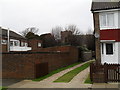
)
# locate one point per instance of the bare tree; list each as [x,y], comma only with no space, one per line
[30,29]
[73,28]
[56,32]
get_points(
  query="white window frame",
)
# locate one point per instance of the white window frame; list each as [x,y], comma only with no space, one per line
[26,44]
[113,48]
[13,40]
[103,16]
[39,44]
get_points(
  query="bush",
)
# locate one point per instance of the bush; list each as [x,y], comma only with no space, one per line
[83,48]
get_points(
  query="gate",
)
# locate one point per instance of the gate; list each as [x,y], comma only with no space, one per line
[41,69]
[112,72]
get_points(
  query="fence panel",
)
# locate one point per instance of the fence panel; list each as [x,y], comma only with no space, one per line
[111,72]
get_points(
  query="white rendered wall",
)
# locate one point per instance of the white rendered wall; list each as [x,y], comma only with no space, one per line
[116,14]
[119,52]
[111,59]
[119,18]
[18,48]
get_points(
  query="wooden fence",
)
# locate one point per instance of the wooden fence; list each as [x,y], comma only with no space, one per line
[105,73]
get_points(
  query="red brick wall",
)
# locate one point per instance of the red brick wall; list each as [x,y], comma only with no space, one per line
[21,65]
[55,49]
[4,48]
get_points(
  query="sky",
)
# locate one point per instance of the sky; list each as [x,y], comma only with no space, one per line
[45,14]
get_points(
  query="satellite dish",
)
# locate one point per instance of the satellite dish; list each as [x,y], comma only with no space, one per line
[97,35]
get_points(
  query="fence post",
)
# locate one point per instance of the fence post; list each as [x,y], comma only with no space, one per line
[105,73]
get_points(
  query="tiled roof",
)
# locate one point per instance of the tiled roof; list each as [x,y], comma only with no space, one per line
[13,35]
[105,5]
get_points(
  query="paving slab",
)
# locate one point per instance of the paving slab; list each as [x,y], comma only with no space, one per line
[99,85]
[76,82]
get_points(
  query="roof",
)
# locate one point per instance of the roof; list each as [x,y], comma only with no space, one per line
[13,34]
[105,5]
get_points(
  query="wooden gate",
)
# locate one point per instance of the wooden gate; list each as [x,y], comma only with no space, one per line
[112,72]
[41,69]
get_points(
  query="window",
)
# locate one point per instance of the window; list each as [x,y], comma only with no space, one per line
[11,43]
[26,44]
[109,48]
[102,48]
[16,43]
[22,44]
[39,44]
[107,19]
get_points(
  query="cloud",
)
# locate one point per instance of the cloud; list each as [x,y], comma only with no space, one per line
[45,14]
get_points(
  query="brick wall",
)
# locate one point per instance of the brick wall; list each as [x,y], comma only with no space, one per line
[97,40]
[4,48]
[54,49]
[22,64]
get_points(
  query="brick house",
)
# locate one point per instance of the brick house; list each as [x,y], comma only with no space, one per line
[15,42]
[107,31]
[48,40]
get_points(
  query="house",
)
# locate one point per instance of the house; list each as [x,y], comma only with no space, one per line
[107,30]
[11,41]
[36,44]
[48,40]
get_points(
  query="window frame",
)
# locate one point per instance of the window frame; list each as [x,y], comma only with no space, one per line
[102,48]
[108,53]
[105,15]
[39,44]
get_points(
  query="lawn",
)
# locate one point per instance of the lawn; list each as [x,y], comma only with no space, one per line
[3,88]
[88,81]
[56,71]
[70,75]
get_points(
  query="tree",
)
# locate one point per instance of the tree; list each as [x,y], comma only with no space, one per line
[56,32]
[73,28]
[72,31]
[30,29]
[31,35]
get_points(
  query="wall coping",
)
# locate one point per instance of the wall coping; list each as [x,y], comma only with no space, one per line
[34,52]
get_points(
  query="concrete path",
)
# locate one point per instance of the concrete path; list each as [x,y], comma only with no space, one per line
[76,82]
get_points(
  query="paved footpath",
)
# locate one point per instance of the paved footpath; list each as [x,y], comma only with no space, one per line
[76,82]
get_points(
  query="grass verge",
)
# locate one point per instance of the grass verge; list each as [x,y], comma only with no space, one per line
[70,75]
[56,71]
[3,88]
[88,81]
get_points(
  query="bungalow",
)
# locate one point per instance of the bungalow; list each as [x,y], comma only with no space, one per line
[11,41]
[107,30]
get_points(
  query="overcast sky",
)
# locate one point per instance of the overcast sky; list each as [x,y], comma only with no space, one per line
[45,14]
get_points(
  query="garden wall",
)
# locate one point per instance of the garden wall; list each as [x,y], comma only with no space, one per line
[23,64]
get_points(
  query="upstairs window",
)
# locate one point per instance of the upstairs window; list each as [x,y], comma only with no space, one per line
[107,19]
[11,43]
[39,45]
[109,48]
[16,43]
[26,44]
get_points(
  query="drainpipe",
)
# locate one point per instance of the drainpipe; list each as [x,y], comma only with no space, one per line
[8,34]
